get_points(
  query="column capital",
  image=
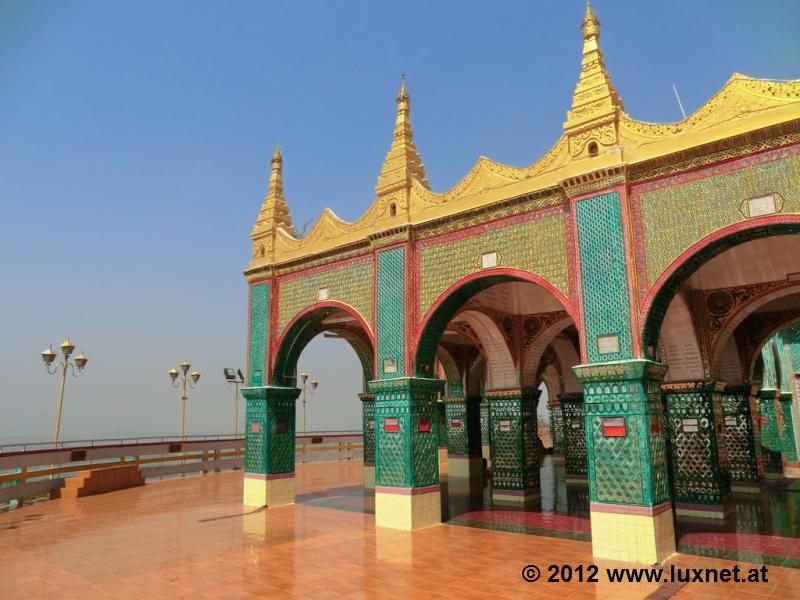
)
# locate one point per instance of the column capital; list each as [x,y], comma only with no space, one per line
[366,396]
[270,393]
[703,385]
[419,385]
[620,370]
[745,389]
[521,392]
[572,398]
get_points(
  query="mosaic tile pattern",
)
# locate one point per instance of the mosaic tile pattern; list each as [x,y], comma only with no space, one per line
[368,426]
[574,434]
[407,457]
[557,429]
[630,469]
[699,460]
[604,276]
[741,424]
[259,318]
[514,434]
[391,311]
[462,425]
[350,283]
[270,430]
[532,245]
[678,211]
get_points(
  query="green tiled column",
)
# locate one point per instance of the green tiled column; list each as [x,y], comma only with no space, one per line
[514,444]
[407,494]
[485,442]
[770,433]
[441,411]
[463,432]
[556,428]
[269,445]
[740,414]
[788,443]
[368,429]
[791,341]
[629,493]
[574,432]
[699,459]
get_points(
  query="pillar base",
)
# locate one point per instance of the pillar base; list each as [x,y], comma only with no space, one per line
[486,452]
[408,509]
[632,533]
[576,479]
[700,511]
[369,476]
[745,487]
[268,490]
[791,469]
[464,467]
[558,459]
[516,497]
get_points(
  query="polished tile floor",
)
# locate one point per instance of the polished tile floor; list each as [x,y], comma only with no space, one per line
[190,538]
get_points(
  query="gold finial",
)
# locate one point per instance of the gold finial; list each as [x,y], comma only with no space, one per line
[274,210]
[402,163]
[590,25]
[277,159]
[402,95]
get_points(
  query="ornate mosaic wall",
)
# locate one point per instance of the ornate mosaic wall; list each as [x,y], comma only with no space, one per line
[462,426]
[391,313]
[629,468]
[557,429]
[259,318]
[770,435]
[532,243]
[741,430]
[406,432]
[368,426]
[604,278]
[574,434]
[699,460]
[270,430]
[514,434]
[348,282]
[678,211]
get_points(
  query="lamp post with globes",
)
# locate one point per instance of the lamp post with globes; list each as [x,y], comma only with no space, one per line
[49,357]
[314,383]
[185,378]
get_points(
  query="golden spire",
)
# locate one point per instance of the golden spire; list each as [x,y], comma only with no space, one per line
[274,211]
[402,163]
[595,102]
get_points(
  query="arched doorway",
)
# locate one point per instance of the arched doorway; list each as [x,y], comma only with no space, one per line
[712,319]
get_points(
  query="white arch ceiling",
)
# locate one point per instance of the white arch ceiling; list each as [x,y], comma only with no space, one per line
[679,343]
[533,355]
[501,371]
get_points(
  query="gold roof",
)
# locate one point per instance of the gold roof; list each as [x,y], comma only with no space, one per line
[596,120]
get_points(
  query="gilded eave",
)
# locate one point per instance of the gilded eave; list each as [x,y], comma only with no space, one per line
[744,105]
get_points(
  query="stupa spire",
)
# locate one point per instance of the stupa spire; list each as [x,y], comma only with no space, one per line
[402,163]
[595,101]
[274,211]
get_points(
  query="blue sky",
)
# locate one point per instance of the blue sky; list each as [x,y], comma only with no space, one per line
[134,152]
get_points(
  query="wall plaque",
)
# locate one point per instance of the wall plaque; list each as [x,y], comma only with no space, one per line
[613,427]
[391,424]
[690,425]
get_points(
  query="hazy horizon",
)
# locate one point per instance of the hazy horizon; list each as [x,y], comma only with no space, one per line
[135,148]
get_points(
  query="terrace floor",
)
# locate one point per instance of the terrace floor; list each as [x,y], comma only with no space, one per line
[191,538]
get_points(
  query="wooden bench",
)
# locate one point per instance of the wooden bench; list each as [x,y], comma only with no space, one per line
[99,481]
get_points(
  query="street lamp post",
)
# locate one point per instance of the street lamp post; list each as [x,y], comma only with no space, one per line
[185,378]
[236,378]
[314,383]
[48,356]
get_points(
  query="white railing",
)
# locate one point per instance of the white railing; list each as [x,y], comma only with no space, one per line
[32,470]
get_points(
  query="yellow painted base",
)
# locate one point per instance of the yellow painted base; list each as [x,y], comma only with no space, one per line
[486,451]
[369,477]
[706,515]
[407,512]
[498,497]
[464,468]
[745,488]
[268,492]
[633,538]
[791,472]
